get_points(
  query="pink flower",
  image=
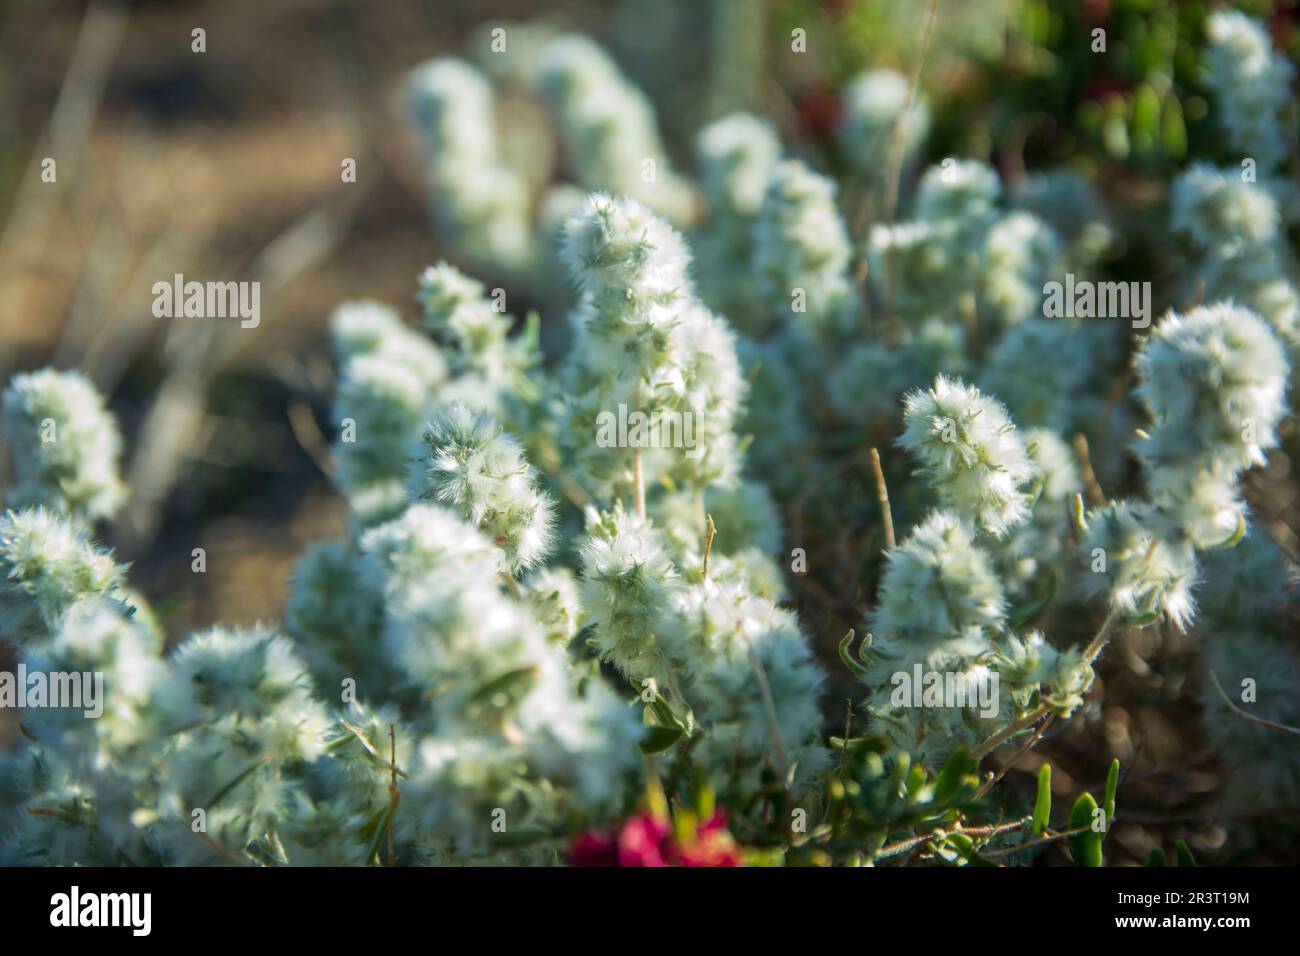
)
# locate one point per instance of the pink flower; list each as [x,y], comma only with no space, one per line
[591,849]
[713,846]
[643,841]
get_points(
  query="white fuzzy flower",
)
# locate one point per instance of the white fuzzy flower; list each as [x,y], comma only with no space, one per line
[1214,382]
[1247,587]
[939,595]
[427,540]
[389,377]
[1029,664]
[552,595]
[98,636]
[1021,254]
[1068,203]
[1220,213]
[738,635]
[736,155]
[628,583]
[801,252]
[1066,400]
[64,445]
[1252,84]
[476,332]
[926,266]
[474,467]
[1026,558]
[1141,561]
[619,250]
[873,101]
[335,610]
[970,452]
[586,742]
[251,721]
[962,192]
[608,127]
[478,201]
[47,563]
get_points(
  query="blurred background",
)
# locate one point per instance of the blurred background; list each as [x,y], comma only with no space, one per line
[225,164]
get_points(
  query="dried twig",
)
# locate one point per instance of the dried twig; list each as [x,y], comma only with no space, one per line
[1096,497]
[882,495]
[710,532]
[1246,715]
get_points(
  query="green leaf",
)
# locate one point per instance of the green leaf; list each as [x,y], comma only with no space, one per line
[1085,846]
[666,716]
[377,831]
[957,775]
[1114,128]
[1031,611]
[1043,800]
[521,836]
[1142,620]
[506,683]
[1146,117]
[1238,533]
[858,670]
[1108,802]
[1080,517]
[965,848]
[1183,853]
[1157,857]
[239,778]
[703,797]
[165,609]
[658,739]
[915,781]
[1173,131]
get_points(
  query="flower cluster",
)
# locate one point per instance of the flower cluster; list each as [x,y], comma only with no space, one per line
[873,102]
[1253,86]
[969,450]
[479,202]
[801,252]
[608,127]
[646,840]
[477,469]
[565,600]
[64,445]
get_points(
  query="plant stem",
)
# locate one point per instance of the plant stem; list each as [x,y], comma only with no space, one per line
[1029,745]
[896,144]
[902,846]
[1028,720]
[1103,635]
[1214,679]
[394,794]
[1050,838]
[638,481]
[711,531]
[882,495]
[1096,497]
[638,472]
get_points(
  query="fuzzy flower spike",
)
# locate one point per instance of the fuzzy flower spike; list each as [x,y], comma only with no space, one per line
[968,448]
[64,445]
